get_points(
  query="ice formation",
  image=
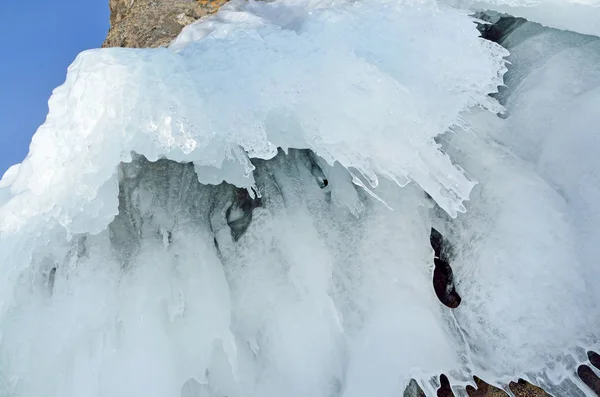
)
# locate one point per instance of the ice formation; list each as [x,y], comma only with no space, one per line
[248,212]
[581,16]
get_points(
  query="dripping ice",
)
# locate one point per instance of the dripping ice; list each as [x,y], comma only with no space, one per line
[248,212]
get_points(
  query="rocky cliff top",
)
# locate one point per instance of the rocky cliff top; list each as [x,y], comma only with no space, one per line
[153,23]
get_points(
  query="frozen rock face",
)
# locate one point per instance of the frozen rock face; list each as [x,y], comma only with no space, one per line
[550,74]
[308,199]
[153,23]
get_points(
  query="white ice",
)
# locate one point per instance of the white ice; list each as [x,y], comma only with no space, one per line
[581,16]
[247,89]
[530,231]
[128,269]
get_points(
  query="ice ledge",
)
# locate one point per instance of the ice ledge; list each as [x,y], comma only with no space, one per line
[368,84]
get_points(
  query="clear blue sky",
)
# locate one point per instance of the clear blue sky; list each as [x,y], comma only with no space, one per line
[40,39]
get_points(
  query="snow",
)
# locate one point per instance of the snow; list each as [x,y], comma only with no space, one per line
[344,132]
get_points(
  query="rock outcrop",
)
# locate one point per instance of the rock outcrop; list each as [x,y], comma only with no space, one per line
[153,23]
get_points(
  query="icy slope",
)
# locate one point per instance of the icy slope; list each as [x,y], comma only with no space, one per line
[129,269]
[529,234]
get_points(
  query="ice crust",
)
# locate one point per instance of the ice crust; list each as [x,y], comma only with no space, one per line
[337,81]
[121,273]
[529,230]
[581,16]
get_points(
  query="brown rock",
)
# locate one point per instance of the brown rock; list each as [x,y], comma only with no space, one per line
[153,23]
[484,390]
[523,388]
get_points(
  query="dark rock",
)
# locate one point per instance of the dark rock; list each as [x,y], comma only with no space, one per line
[497,31]
[443,278]
[445,390]
[588,377]
[594,358]
[413,390]
[239,214]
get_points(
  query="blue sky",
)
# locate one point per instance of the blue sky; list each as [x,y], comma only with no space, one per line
[40,39]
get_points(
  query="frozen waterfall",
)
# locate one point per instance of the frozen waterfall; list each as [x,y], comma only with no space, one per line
[260,209]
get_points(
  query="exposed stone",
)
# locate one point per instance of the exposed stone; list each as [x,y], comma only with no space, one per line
[153,23]
[484,390]
[445,389]
[594,359]
[522,388]
[588,377]
[413,390]
[443,278]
